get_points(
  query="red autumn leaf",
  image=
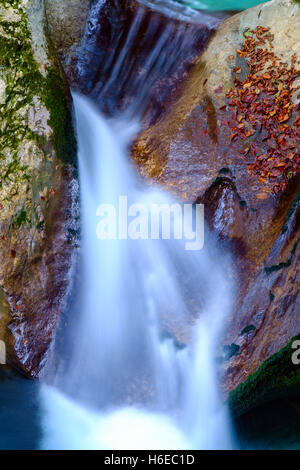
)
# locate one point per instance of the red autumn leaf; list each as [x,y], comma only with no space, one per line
[264,101]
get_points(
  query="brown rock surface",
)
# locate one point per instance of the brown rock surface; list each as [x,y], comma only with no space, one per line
[38,187]
[189,152]
[66,20]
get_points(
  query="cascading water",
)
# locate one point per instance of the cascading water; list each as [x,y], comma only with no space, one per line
[130,382]
[136,364]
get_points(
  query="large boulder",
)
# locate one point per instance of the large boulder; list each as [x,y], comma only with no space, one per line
[196,150]
[38,186]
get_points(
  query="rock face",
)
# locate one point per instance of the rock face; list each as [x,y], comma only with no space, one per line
[191,152]
[138,53]
[187,147]
[66,20]
[38,186]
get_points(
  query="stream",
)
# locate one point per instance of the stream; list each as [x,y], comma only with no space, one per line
[135,361]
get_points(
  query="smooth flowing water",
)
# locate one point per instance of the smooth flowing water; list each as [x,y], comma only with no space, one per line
[136,367]
[130,381]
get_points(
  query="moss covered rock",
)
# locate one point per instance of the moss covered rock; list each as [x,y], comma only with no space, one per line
[277,377]
[38,184]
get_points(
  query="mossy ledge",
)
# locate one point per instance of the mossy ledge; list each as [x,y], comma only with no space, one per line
[276,378]
[28,79]
[39,202]
[35,112]
[284,264]
[57,100]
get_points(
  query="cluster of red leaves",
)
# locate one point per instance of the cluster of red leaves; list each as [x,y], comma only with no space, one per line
[264,104]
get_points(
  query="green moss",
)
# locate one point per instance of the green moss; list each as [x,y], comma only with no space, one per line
[24,80]
[291,212]
[285,264]
[54,97]
[247,329]
[277,377]
[217,181]
[231,350]
[20,71]
[40,225]
[224,171]
[22,218]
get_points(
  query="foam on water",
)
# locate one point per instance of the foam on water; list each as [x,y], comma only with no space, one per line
[71,426]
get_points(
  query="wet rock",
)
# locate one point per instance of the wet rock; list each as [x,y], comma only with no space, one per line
[66,21]
[247,329]
[138,53]
[38,186]
[278,377]
[231,350]
[189,152]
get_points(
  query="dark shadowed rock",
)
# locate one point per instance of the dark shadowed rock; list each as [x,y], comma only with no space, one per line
[139,53]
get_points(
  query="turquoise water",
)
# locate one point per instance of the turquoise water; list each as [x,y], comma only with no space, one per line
[221,4]
[19,412]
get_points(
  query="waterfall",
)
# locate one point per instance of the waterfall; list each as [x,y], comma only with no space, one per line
[139,370]
[134,57]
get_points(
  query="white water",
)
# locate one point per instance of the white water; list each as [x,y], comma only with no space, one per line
[128,385]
